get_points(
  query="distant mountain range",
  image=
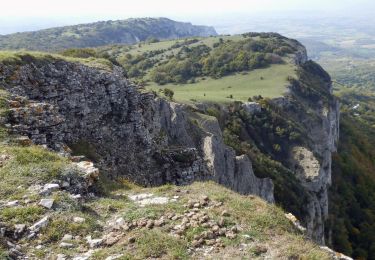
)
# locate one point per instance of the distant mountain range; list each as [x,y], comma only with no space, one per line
[128,31]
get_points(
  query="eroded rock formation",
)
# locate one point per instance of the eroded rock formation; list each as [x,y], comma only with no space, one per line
[127,133]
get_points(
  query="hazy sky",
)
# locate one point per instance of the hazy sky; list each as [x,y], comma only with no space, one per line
[21,15]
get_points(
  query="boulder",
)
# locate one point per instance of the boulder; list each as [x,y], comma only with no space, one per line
[47,203]
[40,224]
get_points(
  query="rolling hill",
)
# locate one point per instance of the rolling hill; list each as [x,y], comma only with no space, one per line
[128,31]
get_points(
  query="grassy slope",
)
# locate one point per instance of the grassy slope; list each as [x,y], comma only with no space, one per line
[240,86]
[209,41]
[265,224]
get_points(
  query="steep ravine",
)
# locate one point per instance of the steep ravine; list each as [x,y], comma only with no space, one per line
[151,141]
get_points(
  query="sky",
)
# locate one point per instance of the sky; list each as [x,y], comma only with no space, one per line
[25,15]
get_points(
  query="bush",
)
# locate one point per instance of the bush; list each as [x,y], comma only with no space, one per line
[168,93]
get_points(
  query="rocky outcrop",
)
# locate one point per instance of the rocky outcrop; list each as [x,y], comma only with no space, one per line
[127,133]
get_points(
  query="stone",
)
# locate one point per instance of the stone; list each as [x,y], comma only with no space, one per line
[4,158]
[67,237]
[61,257]
[85,256]
[40,224]
[15,253]
[113,257]
[170,215]
[49,187]
[76,196]
[252,107]
[335,255]
[78,220]
[221,222]
[12,203]
[230,235]
[142,222]
[159,223]
[197,205]
[150,224]
[295,222]
[219,204]
[65,185]
[131,240]
[205,198]
[205,225]
[260,249]
[225,213]
[176,217]
[94,243]
[234,229]
[210,234]
[210,242]
[204,219]
[215,228]
[90,172]
[111,239]
[19,228]
[120,221]
[14,104]
[190,204]
[197,243]
[47,203]
[144,199]
[66,245]
[24,141]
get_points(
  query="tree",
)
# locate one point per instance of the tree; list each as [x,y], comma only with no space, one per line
[168,93]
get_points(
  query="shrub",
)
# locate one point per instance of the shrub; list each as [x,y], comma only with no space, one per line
[168,93]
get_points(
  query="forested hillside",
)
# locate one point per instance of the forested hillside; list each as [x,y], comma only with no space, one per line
[351,227]
[128,31]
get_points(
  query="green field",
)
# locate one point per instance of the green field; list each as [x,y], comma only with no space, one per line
[240,86]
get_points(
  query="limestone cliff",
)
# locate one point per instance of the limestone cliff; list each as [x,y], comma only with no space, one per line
[127,133]
[312,162]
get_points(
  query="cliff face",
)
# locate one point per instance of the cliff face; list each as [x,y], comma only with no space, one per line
[127,133]
[312,162]
[151,141]
[311,104]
